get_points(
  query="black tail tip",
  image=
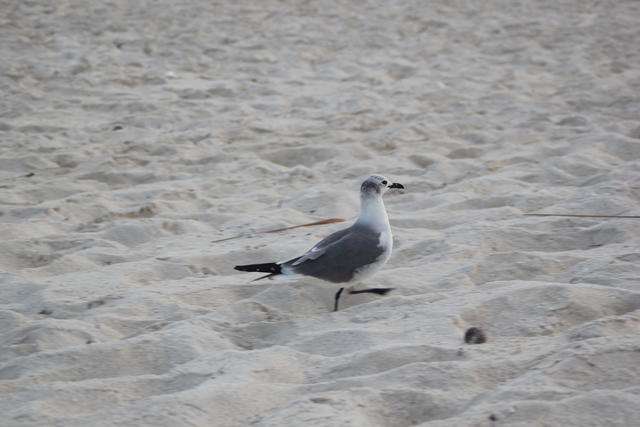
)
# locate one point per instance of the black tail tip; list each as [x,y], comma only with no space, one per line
[269,267]
[250,268]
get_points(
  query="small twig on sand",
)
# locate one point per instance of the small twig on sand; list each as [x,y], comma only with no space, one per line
[324,221]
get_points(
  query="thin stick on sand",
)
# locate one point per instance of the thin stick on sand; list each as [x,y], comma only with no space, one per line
[334,220]
[324,221]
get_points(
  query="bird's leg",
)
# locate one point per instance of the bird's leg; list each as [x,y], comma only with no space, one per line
[337,298]
[377,291]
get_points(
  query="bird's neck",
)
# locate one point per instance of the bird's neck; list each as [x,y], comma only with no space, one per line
[372,213]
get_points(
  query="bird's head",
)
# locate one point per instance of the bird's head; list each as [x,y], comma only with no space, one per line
[377,185]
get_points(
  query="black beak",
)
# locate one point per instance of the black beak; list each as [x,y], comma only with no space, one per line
[396,185]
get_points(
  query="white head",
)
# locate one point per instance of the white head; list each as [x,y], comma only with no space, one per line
[377,185]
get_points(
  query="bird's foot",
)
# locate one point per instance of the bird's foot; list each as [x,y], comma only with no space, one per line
[377,291]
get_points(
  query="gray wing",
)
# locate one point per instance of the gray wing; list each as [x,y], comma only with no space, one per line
[337,257]
[321,247]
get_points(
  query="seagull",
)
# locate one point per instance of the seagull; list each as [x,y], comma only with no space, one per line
[346,257]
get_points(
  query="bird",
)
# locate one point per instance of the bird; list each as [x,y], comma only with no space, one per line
[348,256]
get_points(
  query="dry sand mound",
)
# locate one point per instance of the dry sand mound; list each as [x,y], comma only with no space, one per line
[135,133]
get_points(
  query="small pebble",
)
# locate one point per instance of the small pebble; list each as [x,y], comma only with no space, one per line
[475,336]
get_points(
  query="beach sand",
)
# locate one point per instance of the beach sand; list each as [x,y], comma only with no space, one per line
[133,134]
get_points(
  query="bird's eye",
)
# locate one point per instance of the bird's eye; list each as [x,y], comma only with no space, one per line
[384,182]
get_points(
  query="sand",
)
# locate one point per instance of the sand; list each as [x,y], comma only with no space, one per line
[133,134]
